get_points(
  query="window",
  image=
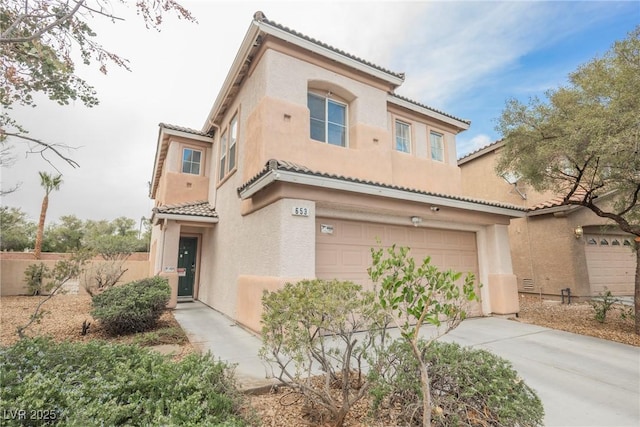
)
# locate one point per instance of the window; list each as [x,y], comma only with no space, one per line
[403,136]
[191,161]
[592,241]
[615,242]
[223,155]
[604,242]
[437,146]
[228,149]
[627,242]
[328,120]
[233,138]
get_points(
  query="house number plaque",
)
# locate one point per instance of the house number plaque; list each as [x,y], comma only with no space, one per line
[299,211]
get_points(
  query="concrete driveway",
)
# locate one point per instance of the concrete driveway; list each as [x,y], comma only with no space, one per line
[582,381]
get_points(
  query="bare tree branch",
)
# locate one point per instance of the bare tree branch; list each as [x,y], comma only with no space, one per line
[45,146]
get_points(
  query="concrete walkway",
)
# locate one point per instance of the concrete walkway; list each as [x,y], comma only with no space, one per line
[582,381]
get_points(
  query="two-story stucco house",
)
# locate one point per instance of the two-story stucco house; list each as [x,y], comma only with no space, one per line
[555,246]
[306,160]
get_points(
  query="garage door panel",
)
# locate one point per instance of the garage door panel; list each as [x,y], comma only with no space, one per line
[346,253]
[610,263]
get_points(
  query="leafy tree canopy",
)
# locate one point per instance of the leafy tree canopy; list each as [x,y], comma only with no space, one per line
[18,233]
[38,41]
[583,141]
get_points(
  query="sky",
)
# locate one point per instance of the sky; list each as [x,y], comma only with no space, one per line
[463,58]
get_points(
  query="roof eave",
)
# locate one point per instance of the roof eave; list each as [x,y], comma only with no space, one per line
[461,125]
[241,57]
[190,218]
[392,79]
[481,152]
[369,189]
[258,28]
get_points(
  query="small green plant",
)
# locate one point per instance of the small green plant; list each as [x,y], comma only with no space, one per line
[97,383]
[414,295]
[602,305]
[133,307]
[470,388]
[35,276]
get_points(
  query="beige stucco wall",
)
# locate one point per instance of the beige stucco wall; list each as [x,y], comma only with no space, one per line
[278,127]
[176,187]
[13,266]
[479,179]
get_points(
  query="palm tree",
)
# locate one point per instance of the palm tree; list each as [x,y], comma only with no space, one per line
[49,183]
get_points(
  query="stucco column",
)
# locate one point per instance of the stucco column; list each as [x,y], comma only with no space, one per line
[169,258]
[501,282]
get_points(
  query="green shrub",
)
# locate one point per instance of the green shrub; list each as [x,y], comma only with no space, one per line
[310,326]
[133,307]
[34,276]
[98,383]
[469,388]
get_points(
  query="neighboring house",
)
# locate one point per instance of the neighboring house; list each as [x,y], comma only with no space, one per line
[556,246]
[307,160]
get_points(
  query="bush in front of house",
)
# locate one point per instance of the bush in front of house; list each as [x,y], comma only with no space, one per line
[133,307]
[97,383]
[469,387]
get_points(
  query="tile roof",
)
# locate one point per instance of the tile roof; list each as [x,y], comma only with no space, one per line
[480,151]
[429,108]
[559,201]
[184,129]
[284,165]
[259,16]
[199,208]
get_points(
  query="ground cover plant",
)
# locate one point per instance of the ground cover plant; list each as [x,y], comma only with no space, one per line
[470,387]
[81,384]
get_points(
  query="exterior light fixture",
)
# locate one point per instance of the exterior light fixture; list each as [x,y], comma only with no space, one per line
[415,220]
[578,232]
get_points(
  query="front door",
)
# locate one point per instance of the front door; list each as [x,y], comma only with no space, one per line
[187,266]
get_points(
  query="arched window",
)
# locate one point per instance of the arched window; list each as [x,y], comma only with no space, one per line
[328,119]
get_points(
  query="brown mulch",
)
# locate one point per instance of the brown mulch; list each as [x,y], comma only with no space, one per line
[62,320]
[579,319]
[282,408]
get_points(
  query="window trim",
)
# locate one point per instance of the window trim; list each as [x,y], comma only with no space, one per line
[326,100]
[222,162]
[228,149]
[431,151]
[232,143]
[199,163]
[409,136]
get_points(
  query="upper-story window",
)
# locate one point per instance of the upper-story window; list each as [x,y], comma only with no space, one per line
[228,149]
[437,146]
[223,155]
[403,136]
[233,139]
[191,160]
[328,120]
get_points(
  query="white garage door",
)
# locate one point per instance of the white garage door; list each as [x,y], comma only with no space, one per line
[343,249]
[611,263]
